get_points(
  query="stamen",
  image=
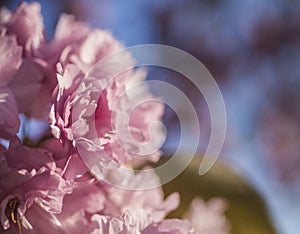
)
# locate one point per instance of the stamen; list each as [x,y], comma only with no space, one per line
[11,212]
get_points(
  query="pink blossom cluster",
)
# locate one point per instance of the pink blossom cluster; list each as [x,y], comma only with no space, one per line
[57,187]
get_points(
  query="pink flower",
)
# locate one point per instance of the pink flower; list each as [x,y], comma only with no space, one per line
[17,91]
[29,178]
[36,77]
[10,61]
[208,217]
[75,214]
[94,207]
[27,24]
[93,109]
[101,120]
[134,197]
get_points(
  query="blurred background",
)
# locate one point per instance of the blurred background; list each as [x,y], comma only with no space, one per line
[252,49]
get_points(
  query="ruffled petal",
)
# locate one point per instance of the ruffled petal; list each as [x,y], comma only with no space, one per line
[9,120]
